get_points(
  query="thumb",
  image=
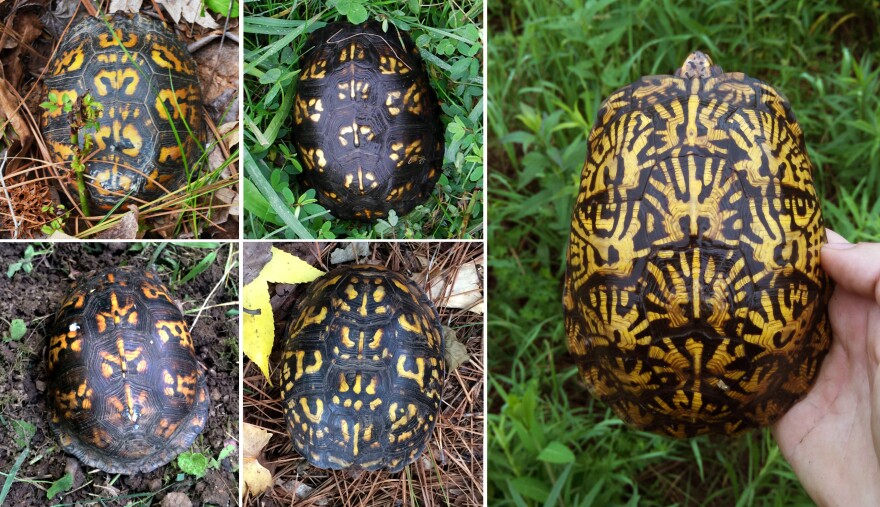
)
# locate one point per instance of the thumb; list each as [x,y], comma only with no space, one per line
[855,267]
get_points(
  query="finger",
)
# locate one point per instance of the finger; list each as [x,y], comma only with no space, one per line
[855,267]
[833,237]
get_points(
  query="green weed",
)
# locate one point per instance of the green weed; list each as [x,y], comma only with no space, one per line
[60,486]
[17,330]
[197,464]
[26,263]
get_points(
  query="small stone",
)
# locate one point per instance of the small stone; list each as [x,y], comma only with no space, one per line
[350,252]
[108,490]
[353,473]
[176,499]
[302,490]
[41,385]
[427,464]
[155,485]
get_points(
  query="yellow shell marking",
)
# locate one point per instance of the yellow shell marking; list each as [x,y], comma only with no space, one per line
[345,334]
[413,98]
[168,329]
[186,385]
[376,341]
[413,327]
[121,135]
[417,375]
[313,416]
[174,102]
[106,40]
[318,107]
[310,369]
[116,314]
[371,387]
[70,61]
[363,309]
[170,153]
[167,58]
[125,80]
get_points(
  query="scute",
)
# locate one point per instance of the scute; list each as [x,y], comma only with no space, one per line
[366,122]
[136,150]
[694,300]
[126,393]
[363,370]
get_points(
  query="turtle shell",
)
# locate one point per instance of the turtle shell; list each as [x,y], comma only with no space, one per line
[126,393]
[363,370]
[366,122]
[694,300]
[147,85]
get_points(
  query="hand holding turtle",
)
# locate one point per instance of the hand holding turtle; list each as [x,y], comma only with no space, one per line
[832,436]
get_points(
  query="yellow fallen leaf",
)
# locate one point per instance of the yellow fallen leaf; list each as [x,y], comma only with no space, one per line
[259,327]
[259,322]
[256,477]
[286,268]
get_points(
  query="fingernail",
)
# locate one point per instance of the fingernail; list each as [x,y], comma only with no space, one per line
[839,246]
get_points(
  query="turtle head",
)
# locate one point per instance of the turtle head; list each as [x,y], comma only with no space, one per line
[698,65]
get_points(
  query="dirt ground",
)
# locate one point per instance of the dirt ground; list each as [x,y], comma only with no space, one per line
[34,297]
[450,471]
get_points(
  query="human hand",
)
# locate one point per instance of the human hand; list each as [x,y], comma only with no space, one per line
[832,436]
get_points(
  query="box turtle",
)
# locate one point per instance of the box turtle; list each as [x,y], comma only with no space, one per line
[366,122]
[126,393]
[146,82]
[363,370]
[694,301]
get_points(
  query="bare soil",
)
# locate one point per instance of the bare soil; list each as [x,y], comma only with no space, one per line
[33,297]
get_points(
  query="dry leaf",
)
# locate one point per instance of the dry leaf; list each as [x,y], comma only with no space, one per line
[465,292]
[125,228]
[191,11]
[454,351]
[9,108]
[234,207]
[132,6]
[350,252]
[216,158]
[256,477]
[226,128]
[60,236]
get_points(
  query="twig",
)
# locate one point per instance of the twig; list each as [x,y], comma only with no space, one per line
[6,193]
[217,285]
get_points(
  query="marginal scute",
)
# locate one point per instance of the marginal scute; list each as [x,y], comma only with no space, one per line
[354,408]
[694,300]
[116,382]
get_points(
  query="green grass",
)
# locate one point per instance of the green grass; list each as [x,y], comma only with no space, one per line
[550,66]
[448,36]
